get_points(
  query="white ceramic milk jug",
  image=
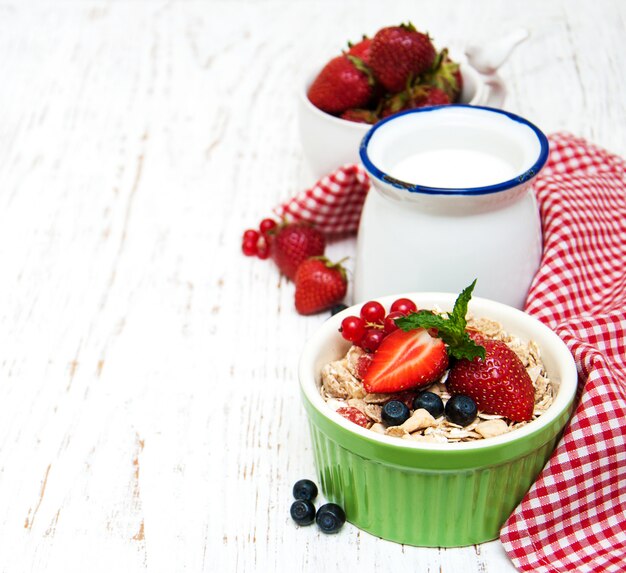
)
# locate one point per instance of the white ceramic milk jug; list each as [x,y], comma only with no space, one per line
[451,201]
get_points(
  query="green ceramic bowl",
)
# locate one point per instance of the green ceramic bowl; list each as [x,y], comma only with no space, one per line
[435,495]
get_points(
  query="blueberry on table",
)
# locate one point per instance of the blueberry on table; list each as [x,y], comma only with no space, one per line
[330,517]
[395,413]
[430,402]
[337,308]
[461,410]
[305,489]
[302,512]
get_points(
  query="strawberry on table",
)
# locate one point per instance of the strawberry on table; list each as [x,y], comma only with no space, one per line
[294,243]
[399,54]
[499,383]
[320,284]
[345,82]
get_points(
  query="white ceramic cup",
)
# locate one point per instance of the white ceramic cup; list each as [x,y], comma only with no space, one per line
[329,142]
[451,201]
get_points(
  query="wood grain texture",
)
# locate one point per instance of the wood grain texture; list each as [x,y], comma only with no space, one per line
[149,409]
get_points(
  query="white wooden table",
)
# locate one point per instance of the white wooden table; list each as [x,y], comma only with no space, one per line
[149,408]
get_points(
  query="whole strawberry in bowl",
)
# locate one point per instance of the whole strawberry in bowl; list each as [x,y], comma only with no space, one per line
[399,67]
[433,394]
[497,382]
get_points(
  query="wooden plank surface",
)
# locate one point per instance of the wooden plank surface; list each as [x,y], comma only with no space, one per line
[149,408]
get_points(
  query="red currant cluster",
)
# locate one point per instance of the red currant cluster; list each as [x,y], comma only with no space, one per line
[370,328]
[256,243]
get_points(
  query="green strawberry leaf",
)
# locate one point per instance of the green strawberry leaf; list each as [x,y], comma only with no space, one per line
[442,75]
[450,328]
[360,65]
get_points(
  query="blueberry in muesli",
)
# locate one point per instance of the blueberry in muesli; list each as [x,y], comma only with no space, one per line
[395,413]
[302,512]
[430,402]
[330,518]
[305,489]
[461,410]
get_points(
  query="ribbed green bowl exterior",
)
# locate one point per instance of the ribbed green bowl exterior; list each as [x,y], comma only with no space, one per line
[433,495]
[426,506]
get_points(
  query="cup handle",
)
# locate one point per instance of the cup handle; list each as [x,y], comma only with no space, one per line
[495,91]
[487,58]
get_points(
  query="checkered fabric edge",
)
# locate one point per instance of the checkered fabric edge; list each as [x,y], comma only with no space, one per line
[333,204]
[573,518]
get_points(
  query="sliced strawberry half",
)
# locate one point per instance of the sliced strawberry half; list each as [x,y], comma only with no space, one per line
[406,360]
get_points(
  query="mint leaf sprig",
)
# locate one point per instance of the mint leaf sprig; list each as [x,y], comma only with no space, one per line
[450,327]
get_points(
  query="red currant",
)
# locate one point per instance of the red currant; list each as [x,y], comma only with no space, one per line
[263,250]
[390,325]
[373,312]
[352,329]
[372,339]
[404,305]
[251,234]
[267,225]
[249,247]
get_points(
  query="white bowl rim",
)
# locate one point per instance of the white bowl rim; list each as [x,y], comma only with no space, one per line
[563,357]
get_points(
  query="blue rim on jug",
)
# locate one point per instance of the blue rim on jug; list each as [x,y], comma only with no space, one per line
[526,175]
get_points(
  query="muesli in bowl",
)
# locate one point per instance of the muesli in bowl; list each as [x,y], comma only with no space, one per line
[417,488]
[490,392]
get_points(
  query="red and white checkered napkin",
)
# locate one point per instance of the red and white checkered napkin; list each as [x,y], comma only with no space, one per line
[574,516]
[333,204]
